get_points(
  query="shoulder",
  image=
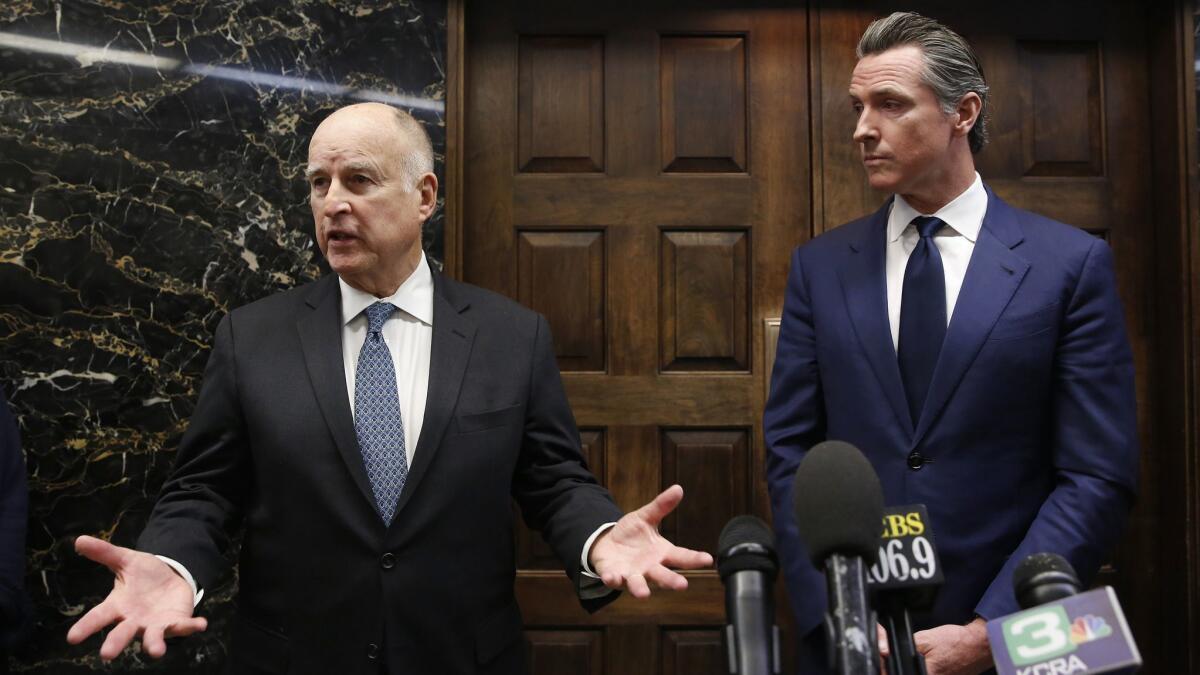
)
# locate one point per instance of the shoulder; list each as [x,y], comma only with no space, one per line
[827,247]
[279,305]
[1046,231]
[487,308]
[1049,241]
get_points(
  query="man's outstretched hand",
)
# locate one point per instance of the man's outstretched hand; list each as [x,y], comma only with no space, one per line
[632,554]
[148,599]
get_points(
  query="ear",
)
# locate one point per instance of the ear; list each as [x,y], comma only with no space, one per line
[967,112]
[427,187]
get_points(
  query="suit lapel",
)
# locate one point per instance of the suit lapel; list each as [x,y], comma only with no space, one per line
[993,275]
[321,340]
[864,284]
[453,335]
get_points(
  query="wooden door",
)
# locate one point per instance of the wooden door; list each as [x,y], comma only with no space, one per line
[1070,139]
[639,175]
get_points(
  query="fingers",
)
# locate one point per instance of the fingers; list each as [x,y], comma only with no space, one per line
[922,640]
[98,550]
[118,638]
[637,586]
[665,578]
[152,641]
[154,638]
[98,618]
[687,559]
[884,649]
[662,505]
[185,627]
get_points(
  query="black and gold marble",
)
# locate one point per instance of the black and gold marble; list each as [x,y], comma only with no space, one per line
[151,158]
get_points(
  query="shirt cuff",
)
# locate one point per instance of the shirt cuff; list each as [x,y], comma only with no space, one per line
[587,549]
[197,593]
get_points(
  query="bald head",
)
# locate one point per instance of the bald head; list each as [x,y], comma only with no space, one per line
[396,133]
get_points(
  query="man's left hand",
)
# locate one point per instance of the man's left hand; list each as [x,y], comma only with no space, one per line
[632,554]
[955,650]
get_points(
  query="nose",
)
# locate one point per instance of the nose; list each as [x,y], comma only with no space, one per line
[865,129]
[335,201]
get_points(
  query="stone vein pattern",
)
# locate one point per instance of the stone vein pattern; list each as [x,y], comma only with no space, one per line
[139,204]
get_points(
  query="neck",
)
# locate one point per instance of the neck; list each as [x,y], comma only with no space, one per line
[385,285]
[945,186]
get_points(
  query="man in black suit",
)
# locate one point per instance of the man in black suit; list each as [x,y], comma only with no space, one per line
[369,430]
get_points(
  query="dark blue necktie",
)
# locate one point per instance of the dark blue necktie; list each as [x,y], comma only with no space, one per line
[922,315]
[377,420]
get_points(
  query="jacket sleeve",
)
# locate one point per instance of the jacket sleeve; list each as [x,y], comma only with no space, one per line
[202,501]
[1093,436]
[793,422]
[557,494]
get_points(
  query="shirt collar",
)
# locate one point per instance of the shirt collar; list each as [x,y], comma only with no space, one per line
[964,214]
[415,296]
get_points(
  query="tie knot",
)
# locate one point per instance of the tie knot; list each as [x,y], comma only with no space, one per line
[377,314]
[927,226]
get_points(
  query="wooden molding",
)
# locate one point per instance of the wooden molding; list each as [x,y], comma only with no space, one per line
[455,81]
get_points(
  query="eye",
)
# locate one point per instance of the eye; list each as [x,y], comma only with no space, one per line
[360,179]
[858,107]
[318,182]
[891,104]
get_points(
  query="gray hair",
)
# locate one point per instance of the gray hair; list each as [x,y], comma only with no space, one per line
[951,68]
[418,160]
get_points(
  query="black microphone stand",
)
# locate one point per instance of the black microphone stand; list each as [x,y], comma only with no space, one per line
[903,657]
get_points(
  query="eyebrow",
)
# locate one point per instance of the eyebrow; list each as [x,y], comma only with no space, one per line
[351,165]
[886,90]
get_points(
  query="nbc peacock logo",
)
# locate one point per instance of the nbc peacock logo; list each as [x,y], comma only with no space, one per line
[1089,627]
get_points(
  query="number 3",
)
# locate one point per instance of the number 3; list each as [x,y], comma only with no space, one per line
[1045,629]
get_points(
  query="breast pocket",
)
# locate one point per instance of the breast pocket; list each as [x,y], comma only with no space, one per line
[470,422]
[1014,326]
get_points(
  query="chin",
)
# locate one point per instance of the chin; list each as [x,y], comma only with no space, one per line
[882,183]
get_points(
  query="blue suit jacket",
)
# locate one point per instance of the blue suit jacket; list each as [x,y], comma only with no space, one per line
[1029,429]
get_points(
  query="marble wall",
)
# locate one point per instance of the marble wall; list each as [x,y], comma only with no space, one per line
[151,157]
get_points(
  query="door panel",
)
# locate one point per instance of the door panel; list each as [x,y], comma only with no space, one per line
[638,177]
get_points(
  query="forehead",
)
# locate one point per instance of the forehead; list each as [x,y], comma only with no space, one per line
[897,68]
[358,137]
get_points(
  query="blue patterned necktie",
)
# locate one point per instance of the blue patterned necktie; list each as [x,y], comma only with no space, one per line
[377,419]
[922,315]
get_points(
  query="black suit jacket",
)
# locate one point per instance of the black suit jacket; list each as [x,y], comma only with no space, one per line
[324,586]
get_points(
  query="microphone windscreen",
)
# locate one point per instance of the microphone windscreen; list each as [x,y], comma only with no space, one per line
[1042,578]
[746,543]
[838,502]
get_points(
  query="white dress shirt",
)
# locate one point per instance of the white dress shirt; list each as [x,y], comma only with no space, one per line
[955,242]
[408,333]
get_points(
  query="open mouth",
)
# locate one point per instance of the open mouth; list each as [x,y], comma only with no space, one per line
[340,236]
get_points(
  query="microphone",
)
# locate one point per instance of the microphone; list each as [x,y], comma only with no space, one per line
[747,564]
[1043,578]
[1060,629]
[906,576]
[839,510]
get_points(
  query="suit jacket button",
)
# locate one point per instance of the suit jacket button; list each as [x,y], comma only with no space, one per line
[388,561]
[372,651]
[915,461]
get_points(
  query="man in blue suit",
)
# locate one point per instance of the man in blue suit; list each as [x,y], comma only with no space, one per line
[975,352]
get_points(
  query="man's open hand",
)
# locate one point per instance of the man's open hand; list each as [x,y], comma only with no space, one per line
[148,599]
[633,554]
